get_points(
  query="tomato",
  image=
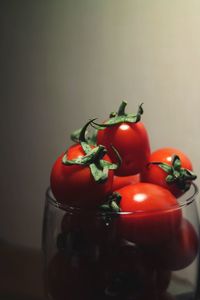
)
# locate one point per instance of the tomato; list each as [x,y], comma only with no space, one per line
[153,173]
[130,273]
[149,214]
[71,279]
[62,277]
[181,250]
[91,226]
[74,185]
[132,143]
[121,181]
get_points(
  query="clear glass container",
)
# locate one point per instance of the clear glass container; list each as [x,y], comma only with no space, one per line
[88,258]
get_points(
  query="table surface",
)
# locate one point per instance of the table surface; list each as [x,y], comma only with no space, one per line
[21,273]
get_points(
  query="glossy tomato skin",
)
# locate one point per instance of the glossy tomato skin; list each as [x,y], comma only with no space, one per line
[131,141]
[74,185]
[181,250]
[121,181]
[154,217]
[154,174]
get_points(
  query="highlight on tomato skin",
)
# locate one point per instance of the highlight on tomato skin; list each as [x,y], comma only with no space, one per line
[154,214]
[154,173]
[179,252]
[74,185]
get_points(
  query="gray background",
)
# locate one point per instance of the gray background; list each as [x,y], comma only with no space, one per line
[63,62]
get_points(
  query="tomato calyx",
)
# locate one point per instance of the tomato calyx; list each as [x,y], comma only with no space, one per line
[176,174]
[121,117]
[111,204]
[93,158]
[84,134]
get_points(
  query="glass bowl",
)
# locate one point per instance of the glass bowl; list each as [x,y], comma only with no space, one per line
[88,256]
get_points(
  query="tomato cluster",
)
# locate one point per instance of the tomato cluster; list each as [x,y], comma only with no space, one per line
[128,233]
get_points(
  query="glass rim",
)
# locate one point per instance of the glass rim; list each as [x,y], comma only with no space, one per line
[73,209]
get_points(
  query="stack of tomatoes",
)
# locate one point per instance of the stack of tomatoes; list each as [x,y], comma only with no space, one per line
[127,232]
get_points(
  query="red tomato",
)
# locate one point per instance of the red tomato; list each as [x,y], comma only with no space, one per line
[91,226]
[74,184]
[153,213]
[155,174]
[127,271]
[181,250]
[132,143]
[62,278]
[69,278]
[131,274]
[121,181]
